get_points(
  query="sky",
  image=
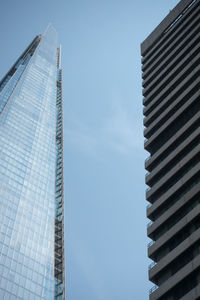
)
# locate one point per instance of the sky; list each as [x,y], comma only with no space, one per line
[105,207]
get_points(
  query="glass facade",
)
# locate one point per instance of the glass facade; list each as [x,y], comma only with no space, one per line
[28,175]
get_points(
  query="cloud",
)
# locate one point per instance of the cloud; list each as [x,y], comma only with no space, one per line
[116,132]
[81,136]
[121,131]
[84,258]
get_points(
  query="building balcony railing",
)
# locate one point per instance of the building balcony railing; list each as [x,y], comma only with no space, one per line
[149,205]
[152,265]
[147,158]
[148,189]
[153,289]
[150,243]
[149,224]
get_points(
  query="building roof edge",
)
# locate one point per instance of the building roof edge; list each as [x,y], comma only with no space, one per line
[169,19]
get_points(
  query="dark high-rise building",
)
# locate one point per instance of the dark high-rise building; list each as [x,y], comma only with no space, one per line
[171,90]
[31,174]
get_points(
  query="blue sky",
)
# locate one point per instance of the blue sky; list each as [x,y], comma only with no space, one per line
[105,217]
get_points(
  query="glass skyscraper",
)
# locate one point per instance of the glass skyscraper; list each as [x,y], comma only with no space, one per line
[31,174]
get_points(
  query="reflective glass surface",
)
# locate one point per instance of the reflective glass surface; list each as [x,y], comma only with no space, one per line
[27,176]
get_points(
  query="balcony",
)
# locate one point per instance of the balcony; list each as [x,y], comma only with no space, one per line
[153,289]
[149,205]
[149,224]
[150,244]
[152,265]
